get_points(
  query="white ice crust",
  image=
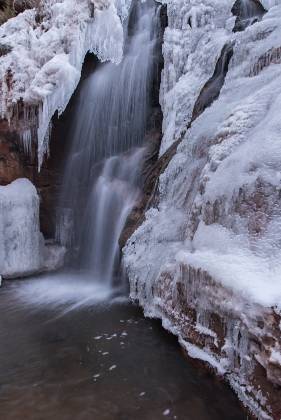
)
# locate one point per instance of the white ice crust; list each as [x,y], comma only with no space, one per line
[219,206]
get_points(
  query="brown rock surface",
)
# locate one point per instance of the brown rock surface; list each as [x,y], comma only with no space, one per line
[238,339]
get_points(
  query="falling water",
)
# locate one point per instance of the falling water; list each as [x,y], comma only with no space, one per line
[101,178]
[212,88]
[110,202]
[247,12]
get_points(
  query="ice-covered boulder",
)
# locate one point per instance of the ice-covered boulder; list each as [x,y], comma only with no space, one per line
[20,237]
[45,49]
[22,247]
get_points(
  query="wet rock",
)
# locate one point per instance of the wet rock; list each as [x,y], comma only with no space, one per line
[4,50]
[225,331]
[211,90]
[21,5]
[248,12]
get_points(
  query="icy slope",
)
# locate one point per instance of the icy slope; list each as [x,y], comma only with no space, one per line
[219,197]
[207,257]
[44,53]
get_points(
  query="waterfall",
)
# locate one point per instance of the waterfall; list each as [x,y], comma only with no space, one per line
[247,12]
[102,173]
[212,88]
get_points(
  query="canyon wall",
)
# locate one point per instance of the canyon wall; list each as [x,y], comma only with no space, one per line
[205,257]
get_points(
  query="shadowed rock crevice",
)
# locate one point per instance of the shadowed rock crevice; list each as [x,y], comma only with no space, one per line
[248,12]
[212,88]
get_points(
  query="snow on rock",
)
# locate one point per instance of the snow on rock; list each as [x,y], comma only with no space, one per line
[48,47]
[210,246]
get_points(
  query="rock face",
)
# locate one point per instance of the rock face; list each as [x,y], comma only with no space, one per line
[21,5]
[205,257]
[239,340]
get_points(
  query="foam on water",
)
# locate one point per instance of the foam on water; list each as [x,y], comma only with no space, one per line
[65,291]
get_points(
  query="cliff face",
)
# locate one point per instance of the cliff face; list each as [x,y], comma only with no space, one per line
[206,259]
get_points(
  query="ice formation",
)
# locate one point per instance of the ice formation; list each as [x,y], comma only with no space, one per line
[219,195]
[44,65]
[211,243]
[21,241]
[23,250]
[192,44]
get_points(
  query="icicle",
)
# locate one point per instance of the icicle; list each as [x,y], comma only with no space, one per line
[26,139]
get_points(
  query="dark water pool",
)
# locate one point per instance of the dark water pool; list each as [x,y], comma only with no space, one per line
[102,361]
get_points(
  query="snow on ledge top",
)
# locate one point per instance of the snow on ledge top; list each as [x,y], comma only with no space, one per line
[45,50]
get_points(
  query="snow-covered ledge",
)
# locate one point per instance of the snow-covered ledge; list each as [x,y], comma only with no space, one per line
[43,52]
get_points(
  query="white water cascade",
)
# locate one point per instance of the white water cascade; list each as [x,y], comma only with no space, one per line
[102,173]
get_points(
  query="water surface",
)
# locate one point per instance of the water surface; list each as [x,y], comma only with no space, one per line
[102,360]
